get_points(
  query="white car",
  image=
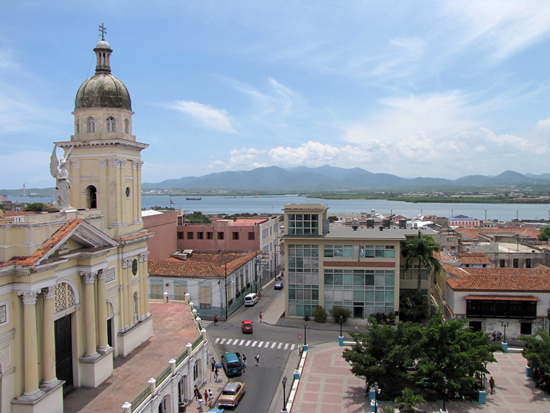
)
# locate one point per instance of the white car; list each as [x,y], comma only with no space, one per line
[251,299]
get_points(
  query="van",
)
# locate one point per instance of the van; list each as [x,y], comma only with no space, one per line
[250,299]
[232,364]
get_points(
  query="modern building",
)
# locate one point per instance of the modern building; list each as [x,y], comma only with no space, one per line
[357,267]
[73,283]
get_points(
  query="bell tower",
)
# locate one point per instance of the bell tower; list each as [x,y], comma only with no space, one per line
[105,170]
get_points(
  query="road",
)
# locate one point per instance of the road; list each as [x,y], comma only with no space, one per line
[273,343]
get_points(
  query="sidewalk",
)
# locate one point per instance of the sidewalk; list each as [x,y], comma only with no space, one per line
[328,386]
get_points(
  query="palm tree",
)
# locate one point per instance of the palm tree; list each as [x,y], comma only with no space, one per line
[421,249]
[408,400]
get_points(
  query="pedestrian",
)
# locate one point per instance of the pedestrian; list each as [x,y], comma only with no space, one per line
[197,393]
[210,398]
[499,335]
[207,354]
[484,381]
[494,336]
[213,364]
[215,319]
[205,396]
[200,405]
[257,358]
[492,384]
[216,374]
[244,360]
[356,326]
[261,317]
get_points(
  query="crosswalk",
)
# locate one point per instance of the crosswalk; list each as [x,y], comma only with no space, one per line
[272,345]
[205,323]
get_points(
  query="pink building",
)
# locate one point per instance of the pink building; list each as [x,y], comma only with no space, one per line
[164,226]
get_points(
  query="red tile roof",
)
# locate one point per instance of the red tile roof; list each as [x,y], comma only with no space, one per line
[503,279]
[474,258]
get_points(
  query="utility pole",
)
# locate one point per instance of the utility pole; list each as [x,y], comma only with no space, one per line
[225,281]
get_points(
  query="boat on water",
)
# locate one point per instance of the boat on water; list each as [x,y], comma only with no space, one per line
[193,198]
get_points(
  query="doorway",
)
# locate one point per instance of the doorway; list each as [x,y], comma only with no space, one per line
[64,353]
[358,312]
[475,325]
[526,329]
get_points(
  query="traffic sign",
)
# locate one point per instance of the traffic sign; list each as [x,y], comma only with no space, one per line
[299,336]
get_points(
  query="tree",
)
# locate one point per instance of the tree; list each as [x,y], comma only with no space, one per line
[412,305]
[197,218]
[421,250]
[332,218]
[544,234]
[320,315]
[36,206]
[344,313]
[454,352]
[537,352]
[408,400]
[385,354]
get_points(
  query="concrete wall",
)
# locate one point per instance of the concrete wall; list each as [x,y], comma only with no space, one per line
[164,243]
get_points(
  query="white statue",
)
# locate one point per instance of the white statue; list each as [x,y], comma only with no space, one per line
[61,175]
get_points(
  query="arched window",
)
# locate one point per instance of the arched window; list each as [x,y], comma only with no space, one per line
[126,126]
[91,125]
[111,124]
[77,126]
[91,197]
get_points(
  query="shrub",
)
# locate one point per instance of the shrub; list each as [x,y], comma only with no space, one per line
[320,315]
[340,312]
[306,318]
[391,318]
[37,207]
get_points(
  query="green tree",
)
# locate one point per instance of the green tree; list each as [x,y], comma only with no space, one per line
[197,218]
[385,354]
[420,250]
[36,206]
[337,312]
[453,351]
[412,305]
[537,352]
[408,400]
[332,218]
[320,315]
[544,234]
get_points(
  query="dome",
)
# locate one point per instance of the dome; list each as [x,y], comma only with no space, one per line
[102,44]
[103,90]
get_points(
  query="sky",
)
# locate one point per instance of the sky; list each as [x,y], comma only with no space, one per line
[411,88]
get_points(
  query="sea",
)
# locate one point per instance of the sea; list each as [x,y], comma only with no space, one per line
[275,204]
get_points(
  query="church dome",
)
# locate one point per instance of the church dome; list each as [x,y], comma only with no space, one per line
[103,90]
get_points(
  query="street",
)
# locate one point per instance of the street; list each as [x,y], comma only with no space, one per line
[273,343]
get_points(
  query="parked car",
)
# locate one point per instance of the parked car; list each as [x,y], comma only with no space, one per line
[232,393]
[251,299]
[278,286]
[247,327]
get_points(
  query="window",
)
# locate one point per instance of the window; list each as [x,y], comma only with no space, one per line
[220,235]
[502,263]
[126,126]
[156,290]
[128,192]
[377,251]
[339,251]
[163,406]
[251,236]
[516,263]
[196,370]
[180,291]
[77,126]
[91,125]
[528,263]
[209,235]
[111,124]
[189,235]
[91,197]
[235,236]
[205,297]
[303,224]
[200,235]
[180,235]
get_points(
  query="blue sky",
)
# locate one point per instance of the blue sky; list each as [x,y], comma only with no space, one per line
[411,88]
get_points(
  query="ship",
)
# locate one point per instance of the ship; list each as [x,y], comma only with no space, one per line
[194,198]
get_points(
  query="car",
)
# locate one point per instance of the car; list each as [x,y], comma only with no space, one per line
[251,299]
[247,327]
[278,286]
[232,393]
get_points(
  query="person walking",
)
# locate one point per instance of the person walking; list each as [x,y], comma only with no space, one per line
[257,358]
[492,384]
[356,328]
[205,396]
[210,399]
[261,317]
[213,363]
[197,393]
[216,374]
[244,361]
[200,405]
[484,381]
[215,319]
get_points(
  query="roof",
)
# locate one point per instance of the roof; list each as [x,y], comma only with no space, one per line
[201,264]
[475,233]
[364,233]
[502,297]
[474,258]
[249,221]
[502,279]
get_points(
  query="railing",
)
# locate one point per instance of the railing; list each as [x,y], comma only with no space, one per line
[198,341]
[141,398]
[164,374]
[182,357]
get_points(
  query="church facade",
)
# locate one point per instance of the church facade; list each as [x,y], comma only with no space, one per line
[73,283]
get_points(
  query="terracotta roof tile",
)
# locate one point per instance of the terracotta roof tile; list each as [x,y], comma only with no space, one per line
[503,279]
[456,271]
[473,258]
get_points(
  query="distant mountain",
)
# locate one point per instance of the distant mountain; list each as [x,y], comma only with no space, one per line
[329,178]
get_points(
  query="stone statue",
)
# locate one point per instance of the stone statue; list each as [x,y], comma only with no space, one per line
[61,175]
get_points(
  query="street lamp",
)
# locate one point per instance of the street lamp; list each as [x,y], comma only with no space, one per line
[305,336]
[284,394]
[377,391]
[445,381]
[341,338]
[504,324]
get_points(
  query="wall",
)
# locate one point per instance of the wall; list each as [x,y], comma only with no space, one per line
[164,226]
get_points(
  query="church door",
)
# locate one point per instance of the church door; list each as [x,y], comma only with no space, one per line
[64,353]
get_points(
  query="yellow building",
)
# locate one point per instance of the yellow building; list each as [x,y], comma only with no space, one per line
[73,283]
[356,267]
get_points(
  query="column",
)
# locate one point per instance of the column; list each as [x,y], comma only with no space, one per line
[89,279]
[30,344]
[102,311]
[49,337]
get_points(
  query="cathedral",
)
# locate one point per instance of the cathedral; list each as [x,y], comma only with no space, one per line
[73,283]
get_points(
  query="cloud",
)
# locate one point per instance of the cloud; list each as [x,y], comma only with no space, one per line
[543,125]
[212,118]
[311,154]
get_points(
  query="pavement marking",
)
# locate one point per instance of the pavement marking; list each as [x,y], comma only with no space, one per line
[273,345]
[248,343]
[266,344]
[286,346]
[254,344]
[292,348]
[236,341]
[222,341]
[241,343]
[261,342]
[218,339]
[280,345]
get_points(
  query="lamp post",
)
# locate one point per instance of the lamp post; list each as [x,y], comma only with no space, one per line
[305,337]
[377,391]
[284,394]
[225,282]
[341,338]
[445,381]
[504,324]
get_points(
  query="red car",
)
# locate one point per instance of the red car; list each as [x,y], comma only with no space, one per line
[247,326]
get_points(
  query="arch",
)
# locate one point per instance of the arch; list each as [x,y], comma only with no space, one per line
[183,391]
[74,301]
[91,197]
[126,126]
[165,405]
[111,124]
[91,125]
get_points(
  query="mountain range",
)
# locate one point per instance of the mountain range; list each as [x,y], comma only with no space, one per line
[329,178]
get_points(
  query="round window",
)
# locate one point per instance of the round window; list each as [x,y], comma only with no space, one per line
[128,192]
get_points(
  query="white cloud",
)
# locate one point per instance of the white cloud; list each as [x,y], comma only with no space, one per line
[212,118]
[543,124]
